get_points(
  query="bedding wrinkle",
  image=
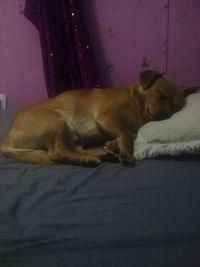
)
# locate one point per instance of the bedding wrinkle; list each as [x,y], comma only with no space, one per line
[14,209]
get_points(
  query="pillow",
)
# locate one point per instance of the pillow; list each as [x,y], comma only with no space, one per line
[175,136]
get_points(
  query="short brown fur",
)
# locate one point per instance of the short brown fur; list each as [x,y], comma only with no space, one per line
[67,128]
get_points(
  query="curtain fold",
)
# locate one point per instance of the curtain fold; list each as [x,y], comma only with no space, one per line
[67,54]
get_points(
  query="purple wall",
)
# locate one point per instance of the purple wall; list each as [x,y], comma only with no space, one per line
[123,33]
[184,41]
[21,70]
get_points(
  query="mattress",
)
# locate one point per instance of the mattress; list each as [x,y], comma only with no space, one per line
[144,215]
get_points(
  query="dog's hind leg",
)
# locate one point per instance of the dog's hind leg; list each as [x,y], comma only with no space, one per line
[56,154]
[29,156]
[60,153]
[54,141]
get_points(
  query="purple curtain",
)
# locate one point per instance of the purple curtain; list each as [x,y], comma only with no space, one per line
[67,54]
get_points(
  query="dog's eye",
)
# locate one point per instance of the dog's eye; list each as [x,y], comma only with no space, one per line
[161,95]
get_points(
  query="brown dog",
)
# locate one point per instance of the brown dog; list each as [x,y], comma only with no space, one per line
[62,129]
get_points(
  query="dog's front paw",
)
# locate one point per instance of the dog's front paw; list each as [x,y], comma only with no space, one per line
[105,155]
[93,161]
[126,159]
[98,156]
[112,145]
[110,156]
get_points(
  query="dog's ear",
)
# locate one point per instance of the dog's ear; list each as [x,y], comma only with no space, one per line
[148,77]
[190,90]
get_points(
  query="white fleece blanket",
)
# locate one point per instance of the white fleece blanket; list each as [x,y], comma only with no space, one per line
[175,136]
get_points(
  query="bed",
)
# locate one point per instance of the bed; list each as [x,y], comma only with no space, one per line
[146,215]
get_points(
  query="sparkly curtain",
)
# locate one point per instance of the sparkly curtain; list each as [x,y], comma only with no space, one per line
[66,51]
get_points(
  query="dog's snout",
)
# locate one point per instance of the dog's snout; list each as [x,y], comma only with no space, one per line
[158,113]
[161,115]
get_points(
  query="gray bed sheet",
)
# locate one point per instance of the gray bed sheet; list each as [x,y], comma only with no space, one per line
[146,215]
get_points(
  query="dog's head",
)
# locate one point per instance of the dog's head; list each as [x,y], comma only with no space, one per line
[161,97]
